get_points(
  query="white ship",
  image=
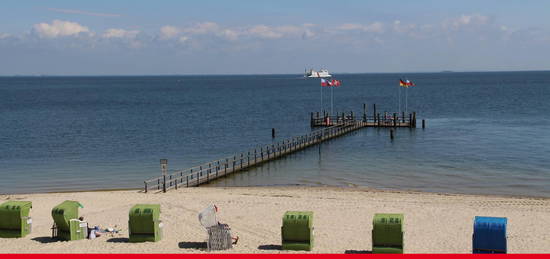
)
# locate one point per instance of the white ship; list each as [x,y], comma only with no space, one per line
[320,73]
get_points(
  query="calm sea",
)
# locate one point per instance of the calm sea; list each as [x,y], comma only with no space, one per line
[486,133]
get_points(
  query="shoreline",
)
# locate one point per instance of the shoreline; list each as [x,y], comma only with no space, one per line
[434,222]
[357,188]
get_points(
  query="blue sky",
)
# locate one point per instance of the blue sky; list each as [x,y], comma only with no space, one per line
[247,37]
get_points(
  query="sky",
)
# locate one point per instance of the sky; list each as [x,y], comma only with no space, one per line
[169,37]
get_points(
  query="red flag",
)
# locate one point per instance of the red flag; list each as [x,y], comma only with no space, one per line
[336,82]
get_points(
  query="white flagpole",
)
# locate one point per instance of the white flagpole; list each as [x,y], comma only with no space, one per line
[321,100]
[406,102]
[399,97]
[331,99]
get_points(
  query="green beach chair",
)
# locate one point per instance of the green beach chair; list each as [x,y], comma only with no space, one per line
[67,226]
[144,224]
[14,219]
[297,230]
[387,234]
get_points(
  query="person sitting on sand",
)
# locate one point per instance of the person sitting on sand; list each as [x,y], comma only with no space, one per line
[92,232]
[207,218]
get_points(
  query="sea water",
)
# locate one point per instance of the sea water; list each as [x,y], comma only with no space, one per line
[485,133]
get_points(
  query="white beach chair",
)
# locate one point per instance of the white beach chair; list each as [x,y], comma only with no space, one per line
[219,235]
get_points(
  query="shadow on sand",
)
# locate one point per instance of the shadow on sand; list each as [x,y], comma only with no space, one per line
[45,240]
[358,252]
[118,240]
[270,247]
[193,245]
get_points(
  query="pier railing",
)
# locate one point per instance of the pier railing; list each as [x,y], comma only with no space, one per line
[377,120]
[207,172]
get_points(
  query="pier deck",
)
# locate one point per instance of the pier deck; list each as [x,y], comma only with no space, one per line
[333,126]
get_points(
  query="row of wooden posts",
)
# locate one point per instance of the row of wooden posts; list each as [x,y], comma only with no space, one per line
[376,120]
[209,171]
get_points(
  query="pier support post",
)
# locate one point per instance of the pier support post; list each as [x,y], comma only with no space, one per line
[423,123]
[410,120]
[374,112]
[403,117]
[364,112]
[391,134]
[414,119]
[395,119]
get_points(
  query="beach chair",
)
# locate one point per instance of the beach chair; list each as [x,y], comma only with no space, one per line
[66,225]
[387,234]
[14,219]
[144,224]
[219,235]
[297,230]
[489,235]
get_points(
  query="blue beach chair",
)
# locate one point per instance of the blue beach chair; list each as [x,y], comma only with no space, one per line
[489,235]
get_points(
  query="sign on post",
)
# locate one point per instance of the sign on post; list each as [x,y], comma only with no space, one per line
[164,166]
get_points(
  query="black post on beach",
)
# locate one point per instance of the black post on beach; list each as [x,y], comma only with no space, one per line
[272,132]
[423,123]
[164,183]
[164,169]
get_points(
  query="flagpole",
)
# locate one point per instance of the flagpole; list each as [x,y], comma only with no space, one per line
[322,99]
[399,97]
[331,99]
[406,102]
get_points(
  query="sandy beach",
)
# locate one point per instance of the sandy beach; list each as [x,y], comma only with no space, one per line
[434,223]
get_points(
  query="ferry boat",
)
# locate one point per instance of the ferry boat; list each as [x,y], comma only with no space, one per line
[320,73]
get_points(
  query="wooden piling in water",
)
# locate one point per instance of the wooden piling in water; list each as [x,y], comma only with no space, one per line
[374,112]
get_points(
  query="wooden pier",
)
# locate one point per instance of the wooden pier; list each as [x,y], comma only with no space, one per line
[385,119]
[334,126]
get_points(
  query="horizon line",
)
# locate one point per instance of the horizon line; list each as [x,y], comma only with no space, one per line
[252,74]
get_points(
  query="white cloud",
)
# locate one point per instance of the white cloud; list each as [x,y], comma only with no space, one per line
[183,39]
[466,20]
[263,31]
[120,33]
[231,34]
[4,35]
[168,32]
[376,27]
[203,28]
[59,28]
